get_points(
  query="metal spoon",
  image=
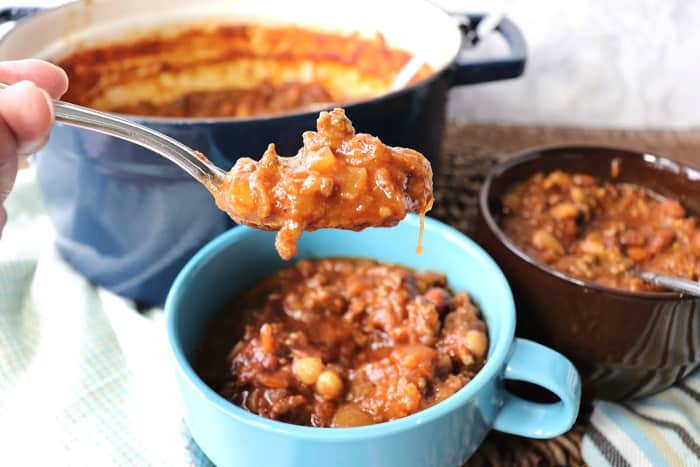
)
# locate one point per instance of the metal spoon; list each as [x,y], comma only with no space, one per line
[185,157]
[681,285]
[193,162]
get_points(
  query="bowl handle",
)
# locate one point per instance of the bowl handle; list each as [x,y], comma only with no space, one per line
[480,70]
[537,364]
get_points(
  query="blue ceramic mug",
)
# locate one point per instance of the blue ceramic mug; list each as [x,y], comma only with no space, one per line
[443,435]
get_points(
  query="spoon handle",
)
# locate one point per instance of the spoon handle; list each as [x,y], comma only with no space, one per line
[674,283]
[185,157]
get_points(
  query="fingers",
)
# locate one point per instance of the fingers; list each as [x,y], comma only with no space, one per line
[26,116]
[27,113]
[8,165]
[45,75]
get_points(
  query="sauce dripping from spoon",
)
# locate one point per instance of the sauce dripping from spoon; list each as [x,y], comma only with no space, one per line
[338,179]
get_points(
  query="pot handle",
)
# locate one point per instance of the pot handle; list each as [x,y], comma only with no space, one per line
[469,71]
[537,364]
[16,13]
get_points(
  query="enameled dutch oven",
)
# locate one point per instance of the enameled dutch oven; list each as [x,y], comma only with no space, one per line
[129,220]
[443,435]
[625,344]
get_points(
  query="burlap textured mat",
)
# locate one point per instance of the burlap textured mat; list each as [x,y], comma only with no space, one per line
[470,151]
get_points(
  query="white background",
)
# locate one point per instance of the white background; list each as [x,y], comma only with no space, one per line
[633,63]
[596,63]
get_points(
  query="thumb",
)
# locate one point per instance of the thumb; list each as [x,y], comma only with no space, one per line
[26,116]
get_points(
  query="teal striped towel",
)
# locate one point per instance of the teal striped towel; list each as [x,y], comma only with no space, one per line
[663,429]
[85,380]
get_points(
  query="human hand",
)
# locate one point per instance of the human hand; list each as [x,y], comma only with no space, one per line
[26,115]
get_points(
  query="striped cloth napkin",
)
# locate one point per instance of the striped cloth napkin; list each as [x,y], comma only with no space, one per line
[87,380]
[653,431]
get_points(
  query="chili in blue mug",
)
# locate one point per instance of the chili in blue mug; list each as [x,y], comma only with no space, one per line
[443,435]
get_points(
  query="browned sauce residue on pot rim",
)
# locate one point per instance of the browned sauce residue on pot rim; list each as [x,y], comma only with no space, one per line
[231,70]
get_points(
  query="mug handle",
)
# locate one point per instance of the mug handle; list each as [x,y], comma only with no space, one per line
[540,365]
[470,71]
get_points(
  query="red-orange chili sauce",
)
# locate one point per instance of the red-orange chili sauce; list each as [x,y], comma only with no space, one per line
[338,179]
[602,231]
[340,342]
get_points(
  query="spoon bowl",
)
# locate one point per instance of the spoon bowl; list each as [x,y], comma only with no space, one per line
[314,189]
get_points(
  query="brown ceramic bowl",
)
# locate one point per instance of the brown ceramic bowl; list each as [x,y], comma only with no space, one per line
[625,344]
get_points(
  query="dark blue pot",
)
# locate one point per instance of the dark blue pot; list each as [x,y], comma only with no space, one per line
[129,220]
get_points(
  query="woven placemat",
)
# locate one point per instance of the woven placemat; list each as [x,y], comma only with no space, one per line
[470,151]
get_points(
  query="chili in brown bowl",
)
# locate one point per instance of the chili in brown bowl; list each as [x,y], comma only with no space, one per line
[626,343]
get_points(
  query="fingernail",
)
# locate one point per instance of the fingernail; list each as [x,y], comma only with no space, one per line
[27,147]
[65,80]
[49,102]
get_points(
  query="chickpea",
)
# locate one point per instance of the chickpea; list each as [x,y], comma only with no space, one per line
[557,178]
[564,211]
[476,343]
[351,415]
[543,240]
[592,245]
[577,194]
[329,384]
[307,369]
